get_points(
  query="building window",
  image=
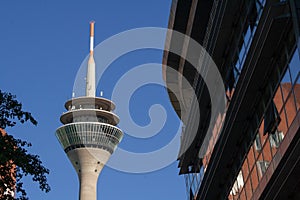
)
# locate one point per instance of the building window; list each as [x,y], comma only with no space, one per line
[257,143]
[271,119]
[276,138]
[238,184]
[262,167]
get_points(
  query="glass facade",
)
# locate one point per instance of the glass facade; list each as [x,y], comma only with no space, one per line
[245,39]
[88,134]
[254,45]
[193,182]
[286,103]
[237,62]
[267,148]
[240,53]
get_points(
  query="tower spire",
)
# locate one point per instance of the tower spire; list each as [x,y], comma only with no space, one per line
[92,24]
[90,75]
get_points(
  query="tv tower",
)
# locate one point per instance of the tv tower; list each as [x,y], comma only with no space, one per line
[89,135]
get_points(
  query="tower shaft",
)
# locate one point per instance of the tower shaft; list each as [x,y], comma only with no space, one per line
[88,187]
[88,163]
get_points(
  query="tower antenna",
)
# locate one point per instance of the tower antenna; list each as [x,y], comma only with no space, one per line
[90,75]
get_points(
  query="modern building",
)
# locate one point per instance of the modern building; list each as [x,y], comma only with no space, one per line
[254,150]
[89,134]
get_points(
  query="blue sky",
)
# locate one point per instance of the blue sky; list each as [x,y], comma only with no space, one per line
[42,45]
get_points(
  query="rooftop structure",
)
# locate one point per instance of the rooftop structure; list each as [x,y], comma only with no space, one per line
[89,135]
[255,45]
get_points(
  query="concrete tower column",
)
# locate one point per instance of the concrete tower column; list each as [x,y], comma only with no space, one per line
[89,134]
[88,183]
[88,163]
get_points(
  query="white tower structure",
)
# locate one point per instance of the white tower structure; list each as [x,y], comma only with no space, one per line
[89,135]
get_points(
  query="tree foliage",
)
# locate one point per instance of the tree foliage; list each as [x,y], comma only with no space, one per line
[15,161]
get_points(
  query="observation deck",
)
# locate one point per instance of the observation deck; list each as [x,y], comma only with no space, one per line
[89,122]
